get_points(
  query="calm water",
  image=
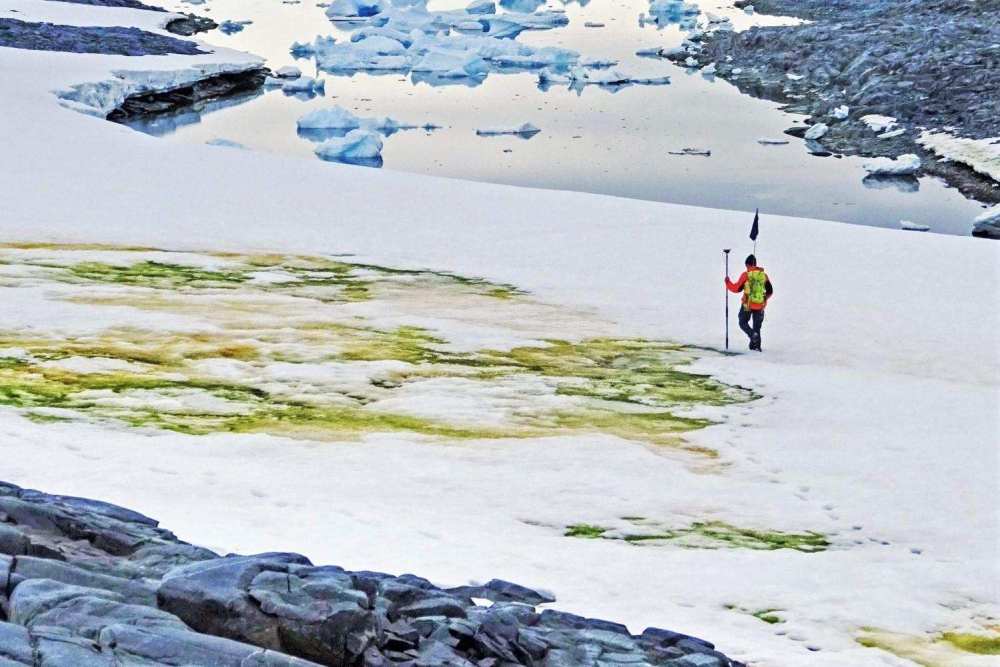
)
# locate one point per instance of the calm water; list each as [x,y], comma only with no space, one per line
[599,140]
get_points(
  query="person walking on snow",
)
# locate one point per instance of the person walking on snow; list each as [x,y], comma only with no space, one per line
[756,288]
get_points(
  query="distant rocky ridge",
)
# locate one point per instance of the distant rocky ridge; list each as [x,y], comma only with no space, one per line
[85,583]
[927,63]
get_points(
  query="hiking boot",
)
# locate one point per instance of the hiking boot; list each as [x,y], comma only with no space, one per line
[755,342]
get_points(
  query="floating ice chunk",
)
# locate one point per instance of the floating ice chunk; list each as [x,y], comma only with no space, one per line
[913,226]
[817,131]
[672,10]
[987,223]
[230,27]
[469,26]
[749,9]
[300,50]
[701,152]
[523,6]
[355,8]
[878,123]
[303,84]
[892,133]
[737,71]
[481,7]
[690,62]
[526,130]
[355,145]
[218,141]
[650,80]
[288,72]
[451,63]
[339,118]
[597,63]
[335,118]
[904,165]
[511,25]
[708,69]
[841,112]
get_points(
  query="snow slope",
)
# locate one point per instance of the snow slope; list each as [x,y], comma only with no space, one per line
[879,383]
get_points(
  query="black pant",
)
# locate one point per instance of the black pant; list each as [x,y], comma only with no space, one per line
[758,320]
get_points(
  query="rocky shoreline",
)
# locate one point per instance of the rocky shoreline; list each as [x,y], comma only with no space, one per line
[218,86]
[86,583]
[920,63]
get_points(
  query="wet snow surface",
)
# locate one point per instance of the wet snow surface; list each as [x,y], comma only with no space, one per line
[609,119]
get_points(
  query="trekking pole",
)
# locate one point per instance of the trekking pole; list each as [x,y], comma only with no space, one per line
[725,251]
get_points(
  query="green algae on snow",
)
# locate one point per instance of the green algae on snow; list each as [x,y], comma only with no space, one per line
[768,616]
[709,535]
[949,648]
[156,275]
[585,530]
[262,310]
[973,643]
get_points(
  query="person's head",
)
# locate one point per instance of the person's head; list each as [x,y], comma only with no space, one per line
[751,261]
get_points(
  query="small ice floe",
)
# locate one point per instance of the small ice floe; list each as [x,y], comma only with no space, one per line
[878,123]
[307,49]
[748,9]
[794,77]
[578,77]
[764,141]
[904,165]
[911,226]
[892,133]
[672,11]
[841,112]
[356,147]
[481,7]
[737,71]
[227,143]
[288,72]
[708,70]
[347,9]
[303,84]
[650,52]
[690,62]
[988,223]
[817,131]
[701,152]
[230,27]
[339,118]
[593,24]
[597,63]
[525,131]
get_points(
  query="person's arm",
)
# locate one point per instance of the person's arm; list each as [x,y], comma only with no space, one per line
[738,285]
[768,289]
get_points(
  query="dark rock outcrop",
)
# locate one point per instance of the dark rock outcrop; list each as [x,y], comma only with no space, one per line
[226,84]
[112,40]
[928,63]
[87,583]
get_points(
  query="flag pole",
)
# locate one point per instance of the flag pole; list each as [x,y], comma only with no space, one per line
[726,294]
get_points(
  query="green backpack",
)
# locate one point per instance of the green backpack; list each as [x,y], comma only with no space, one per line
[755,288]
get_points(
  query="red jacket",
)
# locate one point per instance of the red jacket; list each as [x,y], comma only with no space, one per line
[742,281]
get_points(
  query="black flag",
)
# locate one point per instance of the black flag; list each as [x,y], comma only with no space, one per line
[754,230]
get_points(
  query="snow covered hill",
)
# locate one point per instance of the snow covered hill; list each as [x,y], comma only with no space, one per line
[877,427]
